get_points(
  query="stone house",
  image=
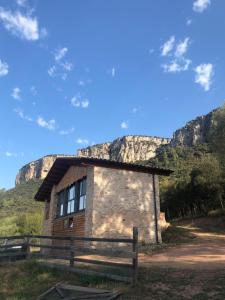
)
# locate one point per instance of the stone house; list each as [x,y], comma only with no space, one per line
[101,198]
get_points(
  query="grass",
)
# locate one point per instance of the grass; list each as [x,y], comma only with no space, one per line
[27,280]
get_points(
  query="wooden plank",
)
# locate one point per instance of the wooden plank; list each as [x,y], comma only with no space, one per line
[87,239]
[52,237]
[46,292]
[98,296]
[107,252]
[88,272]
[72,252]
[12,254]
[11,246]
[75,238]
[50,246]
[102,262]
[82,288]
[135,259]
[110,240]
[14,237]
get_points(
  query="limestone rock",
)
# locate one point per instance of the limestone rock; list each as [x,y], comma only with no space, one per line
[126,149]
[194,132]
[37,169]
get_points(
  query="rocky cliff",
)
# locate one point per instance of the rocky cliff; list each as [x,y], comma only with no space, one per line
[194,132]
[126,149]
[37,169]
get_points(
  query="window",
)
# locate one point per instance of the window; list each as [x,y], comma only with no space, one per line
[72,199]
[61,203]
[68,223]
[82,194]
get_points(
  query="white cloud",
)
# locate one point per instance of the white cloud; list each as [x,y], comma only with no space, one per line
[66,132]
[177,51]
[167,47]
[77,102]
[85,103]
[200,5]
[22,26]
[134,110]
[113,72]
[67,66]
[4,68]
[21,2]
[52,71]
[176,66]
[81,82]
[82,141]
[60,68]
[64,76]
[10,154]
[21,114]
[182,47]
[50,125]
[60,53]
[189,22]
[33,91]
[124,125]
[203,76]
[16,93]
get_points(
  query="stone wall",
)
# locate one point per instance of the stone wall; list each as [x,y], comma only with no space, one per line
[117,200]
[123,199]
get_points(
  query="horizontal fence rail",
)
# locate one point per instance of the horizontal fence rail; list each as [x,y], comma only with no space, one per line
[26,247]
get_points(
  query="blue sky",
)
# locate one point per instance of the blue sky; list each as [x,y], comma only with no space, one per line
[75,73]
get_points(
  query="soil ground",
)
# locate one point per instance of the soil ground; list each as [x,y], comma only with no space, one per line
[204,249]
[190,266]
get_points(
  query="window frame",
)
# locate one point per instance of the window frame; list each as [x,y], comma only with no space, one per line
[65,199]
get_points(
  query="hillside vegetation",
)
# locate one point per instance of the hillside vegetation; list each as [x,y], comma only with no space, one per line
[19,213]
[197,186]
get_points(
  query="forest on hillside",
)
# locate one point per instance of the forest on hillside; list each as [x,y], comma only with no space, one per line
[197,186]
[19,213]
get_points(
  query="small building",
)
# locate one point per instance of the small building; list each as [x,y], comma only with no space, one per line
[101,198]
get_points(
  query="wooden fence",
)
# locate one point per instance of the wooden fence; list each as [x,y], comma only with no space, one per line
[26,246]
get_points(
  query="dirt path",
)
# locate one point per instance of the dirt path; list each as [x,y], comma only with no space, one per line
[206,250]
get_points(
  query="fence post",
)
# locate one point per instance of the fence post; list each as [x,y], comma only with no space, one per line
[135,259]
[28,247]
[71,252]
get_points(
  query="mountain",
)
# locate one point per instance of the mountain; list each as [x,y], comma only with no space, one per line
[37,169]
[19,213]
[195,132]
[132,148]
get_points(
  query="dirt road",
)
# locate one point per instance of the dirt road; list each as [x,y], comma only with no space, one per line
[206,250]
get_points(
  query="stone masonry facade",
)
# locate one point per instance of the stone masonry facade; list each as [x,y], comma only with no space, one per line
[116,201]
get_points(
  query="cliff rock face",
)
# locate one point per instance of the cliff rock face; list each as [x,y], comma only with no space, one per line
[37,169]
[126,149]
[194,132]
